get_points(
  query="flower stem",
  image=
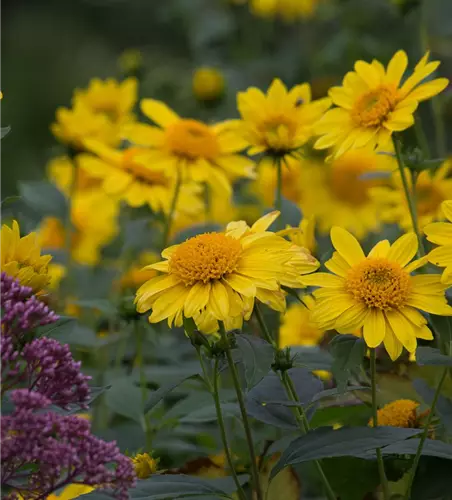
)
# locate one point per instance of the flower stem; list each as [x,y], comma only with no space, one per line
[170,217]
[409,198]
[421,137]
[263,326]
[424,435]
[246,424]
[381,465]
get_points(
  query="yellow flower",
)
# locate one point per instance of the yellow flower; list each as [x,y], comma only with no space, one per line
[372,103]
[377,293]
[208,84]
[21,258]
[288,10]
[219,275]
[131,175]
[281,121]
[130,61]
[135,276]
[61,171]
[431,190]
[206,153]
[440,233]
[144,465]
[339,192]
[304,236]
[71,491]
[56,272]
[297,327]
[399,413]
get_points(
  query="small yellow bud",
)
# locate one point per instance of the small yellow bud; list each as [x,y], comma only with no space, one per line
[208,84]
[130,61]
[144,465]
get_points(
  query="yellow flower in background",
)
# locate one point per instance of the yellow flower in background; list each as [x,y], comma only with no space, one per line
[372,103]
[338,192]
[297,327]
[432,188]
[71,491]
[208,83]
[377,293]
[21,258]
[131,175]
[440,233]
[279,122]
[399,413]
[304,235]
[56,272]
[61,170]
[205,153]
[130,61]
[136,275]
[218,275]
[144,465]
[288,10]
[51,233]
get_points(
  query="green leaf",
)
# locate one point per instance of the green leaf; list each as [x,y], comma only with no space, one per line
[208,413]
[64,326]
[9,200]
[443,325]
[44,198]
[433,480]
[4,131]
[164,487]
[102,305]
[348,352]
[353,414]
[325,442]
[257,357]
[431,448]
[312,358]
[125,398]
[431,356]
[443,405]
[160,393]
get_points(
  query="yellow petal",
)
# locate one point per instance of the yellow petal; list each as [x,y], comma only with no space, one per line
[265,222]
[352,319]
[446,207]
[219,302]
[402,329]
[323,280]
[403,249]
[392,345]
[429,89]
[241,284]
[337,265]
[159,112]
[347,245]
[439,233]
[397,67]
[430,304]
[169,303]
[381,249]
[374,328]
[197,299]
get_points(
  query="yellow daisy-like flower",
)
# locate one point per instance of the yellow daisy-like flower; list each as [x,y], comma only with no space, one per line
[399,413]
[281,121]
[339,192]
[21,258]
[208,84]
[431,190]
[219,275]
[377,293]
[131,175]
[440,233]
[144,465]
[288,10]
[56,272]
[71,491]
[61,171]
[137,274]
[372,103]
[206,153]
[297,327]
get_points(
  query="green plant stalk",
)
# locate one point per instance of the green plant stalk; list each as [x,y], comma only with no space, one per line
[246,424]
[279,182]
[380,463]
[421,137]
[424,435]
[409,199]
[68,226]
[263,326]
[170,217]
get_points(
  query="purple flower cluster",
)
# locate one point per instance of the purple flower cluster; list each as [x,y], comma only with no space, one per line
[58,450]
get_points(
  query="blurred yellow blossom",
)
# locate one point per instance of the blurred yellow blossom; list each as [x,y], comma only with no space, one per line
[144,465]
[61,170]
[288,10]
[130,61]
[208,83]
[440,233]
[136,274]
[56,272]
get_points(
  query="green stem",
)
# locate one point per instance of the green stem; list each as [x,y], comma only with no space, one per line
[246,424]
[409,199]
[381,465]
[421,137]
[263,326]
[68,225]
[170,217]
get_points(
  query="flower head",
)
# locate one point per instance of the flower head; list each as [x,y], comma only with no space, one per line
[208,84]
[377,293]
[281,121]
[440,233]
[372,103]
[61,171]
[399,413]
[205,153]
[21,258]
[144,465]
[288,10]
[219,275]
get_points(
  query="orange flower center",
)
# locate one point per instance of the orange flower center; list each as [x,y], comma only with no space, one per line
[190,139]
[142,173]
[379,283]
[205,258]
[428,198]
[372,108]
[400,413]
[278,132]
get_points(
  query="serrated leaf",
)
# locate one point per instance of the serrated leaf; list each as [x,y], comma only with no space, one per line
[348,352]
[125,398]
[44,198]
[431,356]
[257,357]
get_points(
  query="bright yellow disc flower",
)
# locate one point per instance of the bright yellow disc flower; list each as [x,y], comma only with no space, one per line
[377,293]
[399,413]
[281,121]
[440,233]
[205,153]
[288,10]
[372,103]
[431,190]
[144,465]
[219,275]
[208,84]
[131,175]
[21,258]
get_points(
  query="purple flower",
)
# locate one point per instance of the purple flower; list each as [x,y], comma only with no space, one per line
[57,450]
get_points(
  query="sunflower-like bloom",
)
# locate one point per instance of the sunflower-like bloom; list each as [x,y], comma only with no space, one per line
[430,191]
[372,103]
[144,465]
[377,293]
[440,233]
[21,258]
[288,10]
[206,153]
[399,413]
[208,84]
[280,122]
[132,176]
[339,192]
[218,275]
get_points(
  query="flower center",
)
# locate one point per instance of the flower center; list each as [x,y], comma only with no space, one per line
[205,257]
[399,413]
[379,283]
[372,108]
[428,198]
[278,132]
[142,173]
[191,139]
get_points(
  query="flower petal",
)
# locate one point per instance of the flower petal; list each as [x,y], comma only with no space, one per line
[374,328]
[403,249]
[347,245]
